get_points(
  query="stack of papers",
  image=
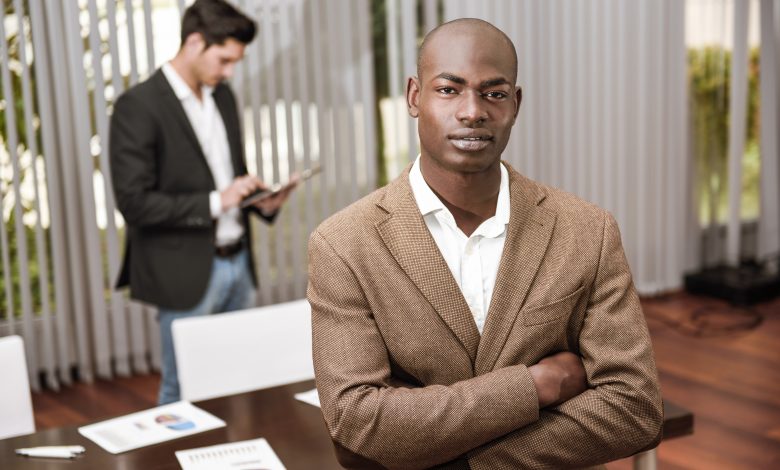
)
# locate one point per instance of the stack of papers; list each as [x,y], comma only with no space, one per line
[245,455]
[152,426]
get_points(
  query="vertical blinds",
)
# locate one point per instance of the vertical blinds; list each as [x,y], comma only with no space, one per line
[604,116]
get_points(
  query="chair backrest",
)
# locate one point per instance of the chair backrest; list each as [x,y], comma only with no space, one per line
[235,352]
[16,412]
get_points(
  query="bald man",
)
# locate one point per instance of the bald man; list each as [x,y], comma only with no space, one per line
[465,316]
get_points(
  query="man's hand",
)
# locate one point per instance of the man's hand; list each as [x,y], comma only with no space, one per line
[558,378]
[272,203]
[240,188]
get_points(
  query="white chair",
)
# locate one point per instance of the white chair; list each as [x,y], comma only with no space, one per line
[16,412]
[235,352]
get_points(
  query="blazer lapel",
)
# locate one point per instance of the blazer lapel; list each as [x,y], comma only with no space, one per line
[528,234]
[408,239]
[173,103]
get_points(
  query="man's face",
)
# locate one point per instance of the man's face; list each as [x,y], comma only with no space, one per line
[216,63]
[466,101]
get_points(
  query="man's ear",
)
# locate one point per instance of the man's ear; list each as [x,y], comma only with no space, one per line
[195,42]
[413,96]
[518,99]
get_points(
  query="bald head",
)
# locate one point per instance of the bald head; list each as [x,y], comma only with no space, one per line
[479,30]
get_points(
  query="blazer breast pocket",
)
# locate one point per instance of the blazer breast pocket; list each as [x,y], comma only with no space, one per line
[537,315]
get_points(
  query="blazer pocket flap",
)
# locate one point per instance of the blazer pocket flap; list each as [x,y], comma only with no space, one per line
[554,310]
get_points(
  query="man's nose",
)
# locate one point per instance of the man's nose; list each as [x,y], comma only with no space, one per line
[471,108]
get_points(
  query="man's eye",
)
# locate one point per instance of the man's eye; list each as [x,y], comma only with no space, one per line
[447,90]
[497,95]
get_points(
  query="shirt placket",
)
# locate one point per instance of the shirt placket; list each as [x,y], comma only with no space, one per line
[471,279]
[208,136]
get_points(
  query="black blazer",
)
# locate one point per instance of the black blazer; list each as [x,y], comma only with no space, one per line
[162,182]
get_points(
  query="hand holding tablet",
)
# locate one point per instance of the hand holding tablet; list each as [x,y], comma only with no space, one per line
[278,188]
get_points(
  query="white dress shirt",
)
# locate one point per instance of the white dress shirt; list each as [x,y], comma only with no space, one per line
[207,123]
[472,260]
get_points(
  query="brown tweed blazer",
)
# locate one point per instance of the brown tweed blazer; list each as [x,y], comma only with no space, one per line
[406,381]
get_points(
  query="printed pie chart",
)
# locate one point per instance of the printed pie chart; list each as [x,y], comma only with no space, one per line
[174,422]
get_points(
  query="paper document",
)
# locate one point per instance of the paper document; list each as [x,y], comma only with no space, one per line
[151,426]
[255,454]
[309,397]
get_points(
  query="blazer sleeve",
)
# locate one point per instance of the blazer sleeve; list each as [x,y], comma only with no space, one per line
[368,411]
[622,413]
[133,151]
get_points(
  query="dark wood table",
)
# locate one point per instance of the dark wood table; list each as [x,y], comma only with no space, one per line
[295,430]
[678,421]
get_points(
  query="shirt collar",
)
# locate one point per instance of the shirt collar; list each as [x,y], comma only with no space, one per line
[180,87]
[496,225]
[428,202]
[502,206]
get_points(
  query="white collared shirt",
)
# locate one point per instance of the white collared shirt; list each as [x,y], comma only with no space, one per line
[472,260]
[209,128]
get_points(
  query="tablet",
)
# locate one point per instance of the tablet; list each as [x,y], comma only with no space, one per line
[274,189]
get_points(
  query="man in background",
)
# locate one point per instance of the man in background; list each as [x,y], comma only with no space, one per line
[466,316]
[179,176]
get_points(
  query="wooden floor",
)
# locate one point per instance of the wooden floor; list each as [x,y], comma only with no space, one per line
[730,381]
[709,361]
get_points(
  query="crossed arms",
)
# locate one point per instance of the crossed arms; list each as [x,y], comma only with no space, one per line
[401,410]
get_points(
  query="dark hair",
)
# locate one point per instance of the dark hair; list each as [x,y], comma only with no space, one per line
[217,20]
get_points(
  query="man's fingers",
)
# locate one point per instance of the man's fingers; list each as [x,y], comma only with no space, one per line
[246,185]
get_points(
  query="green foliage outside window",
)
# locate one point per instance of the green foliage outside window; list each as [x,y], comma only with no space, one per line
[708,80]
[6,183]
[33,267]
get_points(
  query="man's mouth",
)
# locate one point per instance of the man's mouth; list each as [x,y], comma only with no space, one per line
[471,142]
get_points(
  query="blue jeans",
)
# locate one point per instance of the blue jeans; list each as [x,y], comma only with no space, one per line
[230,288]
